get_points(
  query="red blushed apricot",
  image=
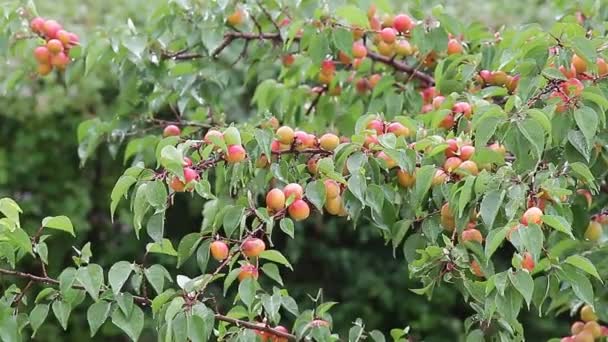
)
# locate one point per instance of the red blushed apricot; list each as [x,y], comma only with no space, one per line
[388,35]
[527,262]
[403,23]
[344,58]
[579,64]
[532,215]
[562,104]
[498,78]
[236,154]
[328,67]
[397,129]
[359,50]
[466,152]
[219,250]
[428,94]
[293,189]
[438,101]
[572,87]
[405,179]
[373,80]
[288,60]
[447,122]
[236,18]
[602,67]
[476,269]
[248,271]
[212,133]
[452,164]
[190,175]
[454,47]
[299,210]
[285,135]
[577,327]
[496,147]
[370,141]
[468,167]
[376,125]
[462,107]
[171,130]
[390,162]
[332,189]
[60,60]
[472,234]
[42,54]
[275,338]
[452,149]
[440,177]
[253,247]
[37,25]
[304,140]
[447,217]
[55,46]
[275,200]
[50,29]
[486,76]
[312,166]
[177,185]
[329,141]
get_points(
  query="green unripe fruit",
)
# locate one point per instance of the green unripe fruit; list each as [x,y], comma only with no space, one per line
[232,136]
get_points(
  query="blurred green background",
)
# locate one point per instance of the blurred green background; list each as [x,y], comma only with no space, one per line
[40,168]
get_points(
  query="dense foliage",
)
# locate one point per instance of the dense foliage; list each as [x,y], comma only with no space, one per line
[471,163]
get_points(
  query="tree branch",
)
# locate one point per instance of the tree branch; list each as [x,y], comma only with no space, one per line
[229,37]
[147,302]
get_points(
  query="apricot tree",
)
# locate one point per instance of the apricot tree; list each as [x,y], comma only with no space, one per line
[479,155]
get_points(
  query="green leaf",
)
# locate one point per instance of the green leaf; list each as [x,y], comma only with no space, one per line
[523,283]
[275,256]
[156,226]
[11,210]
[202,256]
[232,218]
[59,223]
[581,170]
[38,316]
[247,291]
[91,278]
[584,48]
[62,311]
[353,15]
[120,189]
[171,158]
[163,247]
[494,239]
[315,193]
[186,247]
[587,120]
[140,207]
[156,275]
[156,193]
[118,275]
[424,180]
[272,271]
[558,223]
[580,284]
[584,264]
[490,205]
[343,40]
[287,226]
[534,133]
[97,315]
[358,186]
[132,325]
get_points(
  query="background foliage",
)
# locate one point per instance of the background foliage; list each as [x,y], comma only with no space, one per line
[41,168]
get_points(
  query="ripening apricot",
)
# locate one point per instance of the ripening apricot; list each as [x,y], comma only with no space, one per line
[253,247]
[454,47]
[262,162]
[388,35]
[602,66]
[187,162]
[486,76]
[177,185]
[333,205]
[319,323]
[328,67]
[572,87]
[272,122]
[448,122]
[584,336]
[472,234]
[275,338]
[190,175]
[466,152]
[332,189]
[390,162]
[376,125]
[452,164]
[370,141]
[285,135]
[440,177]
[329,141]
[438,101]
[397,129]
[527,262]
[288,60]
[373,80]
[476,269]
[468,167]
[37,25]
[219,250]
[50,28]
[385,49]
[532,215]
[452,149]
[403,23]
[577,327]
[593,232]
[512,83]
[579,64]
[594,328]
[496,147]
[236,18]
[275,200]
[462,107]
[359,50]
[54,46]
[588,314]
[42,54]
[403,48]
[312,166]
[498,78]
[171,130]
[248,271]
[60,60]
[235,154]
[294,189]
[299,210]
[405,179]
[213,133]
[448,223]
[304,140]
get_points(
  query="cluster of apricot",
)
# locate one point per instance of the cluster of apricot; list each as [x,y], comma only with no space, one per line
[432,100]
[251,248]
[55,50]
[587,329]
[291,195]
[498,78]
